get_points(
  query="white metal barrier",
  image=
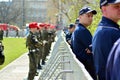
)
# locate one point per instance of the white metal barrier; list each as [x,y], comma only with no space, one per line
[63,64]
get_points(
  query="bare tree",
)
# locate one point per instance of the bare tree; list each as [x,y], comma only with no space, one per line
[9,12]
[70,8]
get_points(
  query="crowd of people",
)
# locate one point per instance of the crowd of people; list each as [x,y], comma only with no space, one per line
[98,53]
[38,43]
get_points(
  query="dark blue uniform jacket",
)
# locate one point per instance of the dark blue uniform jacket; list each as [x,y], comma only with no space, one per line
[106,34]
[81,39]
[68,36]
[113,63]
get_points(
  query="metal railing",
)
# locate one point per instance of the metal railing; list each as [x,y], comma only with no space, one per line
[62,64]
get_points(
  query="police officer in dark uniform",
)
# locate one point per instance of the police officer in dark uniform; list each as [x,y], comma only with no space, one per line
[77,21]
[33,46]
[71,28]
[82,40]
[106,34]
[113,63]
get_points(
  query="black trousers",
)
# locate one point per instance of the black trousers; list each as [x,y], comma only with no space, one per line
[89,66]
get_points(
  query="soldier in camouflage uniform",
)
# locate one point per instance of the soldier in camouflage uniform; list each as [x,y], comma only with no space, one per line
[45,51]
[51,36]
[33,46]
[39,37]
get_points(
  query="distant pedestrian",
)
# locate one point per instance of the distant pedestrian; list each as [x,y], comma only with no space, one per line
[17,33]
[7,33]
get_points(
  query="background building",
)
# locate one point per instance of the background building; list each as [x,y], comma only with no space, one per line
[31,10]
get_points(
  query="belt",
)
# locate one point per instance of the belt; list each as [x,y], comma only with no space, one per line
[33,50]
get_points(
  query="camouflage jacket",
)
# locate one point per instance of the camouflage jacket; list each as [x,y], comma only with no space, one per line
[32,41]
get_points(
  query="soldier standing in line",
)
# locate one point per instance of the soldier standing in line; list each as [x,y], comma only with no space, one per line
[53,35]
[33,46]
[49,37]
[44,34]
[39,37]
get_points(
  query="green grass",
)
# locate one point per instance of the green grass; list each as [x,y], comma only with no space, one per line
[13,48]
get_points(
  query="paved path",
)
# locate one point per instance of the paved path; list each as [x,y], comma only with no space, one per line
[17,70]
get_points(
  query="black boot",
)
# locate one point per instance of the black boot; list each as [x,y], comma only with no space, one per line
[39,66]
[36,74]
[43,62]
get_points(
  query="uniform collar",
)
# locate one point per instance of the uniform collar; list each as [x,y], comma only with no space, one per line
[108,23]
[31,32]
[81,25]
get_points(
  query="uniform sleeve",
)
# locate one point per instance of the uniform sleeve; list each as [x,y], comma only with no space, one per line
[85,38]
[115,35]
[34,39]
[27,41]
[67,37]
[113,63]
